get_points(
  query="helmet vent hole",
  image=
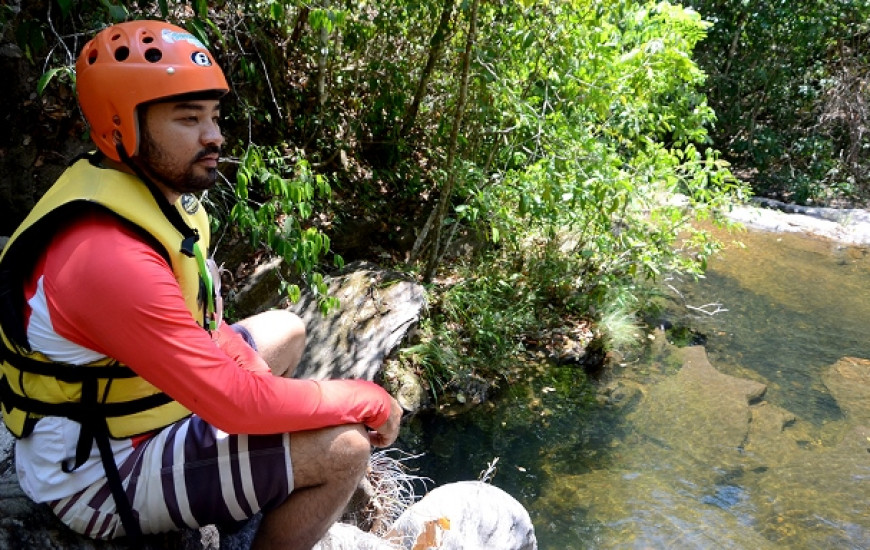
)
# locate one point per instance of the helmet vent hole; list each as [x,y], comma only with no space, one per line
[116,37]
[122,53]
[148,39]
[92,57]
[153,55]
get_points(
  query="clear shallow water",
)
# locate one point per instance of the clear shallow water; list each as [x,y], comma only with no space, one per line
[795,304]
[592,476]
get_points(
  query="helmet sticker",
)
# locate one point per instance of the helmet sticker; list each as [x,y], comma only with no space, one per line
[189,203]
[174,36]
[201,59]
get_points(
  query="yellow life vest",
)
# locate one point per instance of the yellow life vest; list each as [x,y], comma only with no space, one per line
[33,386]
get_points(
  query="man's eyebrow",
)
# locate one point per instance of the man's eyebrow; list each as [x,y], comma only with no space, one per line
[191,106]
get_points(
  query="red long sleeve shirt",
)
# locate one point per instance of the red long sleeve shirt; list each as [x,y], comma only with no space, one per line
[109,291]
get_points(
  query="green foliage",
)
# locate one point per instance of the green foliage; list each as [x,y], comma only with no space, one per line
[476,327]
[65,73]
[603,148]
[597,128]
[435,356]
[278,219]
[788,82]
[582,161]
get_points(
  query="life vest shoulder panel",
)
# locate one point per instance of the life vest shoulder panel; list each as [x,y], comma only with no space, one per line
[33,387]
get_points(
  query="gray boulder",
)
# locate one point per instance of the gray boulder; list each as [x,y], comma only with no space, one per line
[377,310]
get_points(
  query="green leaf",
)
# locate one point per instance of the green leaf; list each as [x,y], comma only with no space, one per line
[65,6]
[117,12]
[201,8]
[217,32]
[294,293]
[46,78]
[197,29]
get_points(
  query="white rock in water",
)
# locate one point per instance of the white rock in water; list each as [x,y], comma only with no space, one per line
[467,515]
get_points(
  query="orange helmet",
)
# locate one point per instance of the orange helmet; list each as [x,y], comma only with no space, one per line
[133,63]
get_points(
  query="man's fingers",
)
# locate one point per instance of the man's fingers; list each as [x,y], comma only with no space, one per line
[388,433]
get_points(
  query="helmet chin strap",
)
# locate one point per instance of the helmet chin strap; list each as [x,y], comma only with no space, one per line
[191,236]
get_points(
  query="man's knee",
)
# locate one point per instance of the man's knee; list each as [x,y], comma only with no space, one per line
[280,338]
[329,454]
[353,443]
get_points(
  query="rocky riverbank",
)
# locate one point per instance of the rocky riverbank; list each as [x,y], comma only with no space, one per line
[845,225]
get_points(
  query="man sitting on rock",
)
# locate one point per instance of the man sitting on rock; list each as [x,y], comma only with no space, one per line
[137,410]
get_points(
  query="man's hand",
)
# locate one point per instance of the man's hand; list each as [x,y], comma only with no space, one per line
[386,435]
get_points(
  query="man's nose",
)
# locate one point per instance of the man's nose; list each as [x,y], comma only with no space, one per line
[212,135]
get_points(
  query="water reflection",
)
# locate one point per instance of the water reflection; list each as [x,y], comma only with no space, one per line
[677,456]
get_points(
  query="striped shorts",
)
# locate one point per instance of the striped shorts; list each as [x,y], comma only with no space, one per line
[189,474]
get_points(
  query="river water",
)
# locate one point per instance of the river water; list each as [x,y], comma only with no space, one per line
[608,468]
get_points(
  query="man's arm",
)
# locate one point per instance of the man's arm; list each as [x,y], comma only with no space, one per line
[110,292]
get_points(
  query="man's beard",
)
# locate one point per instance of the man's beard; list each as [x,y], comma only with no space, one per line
[153,160]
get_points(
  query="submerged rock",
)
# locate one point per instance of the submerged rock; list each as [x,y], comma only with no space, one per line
[699,411]
[710,464]
[848,380]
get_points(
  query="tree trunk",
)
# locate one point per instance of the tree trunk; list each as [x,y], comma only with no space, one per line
[322,59]
[735,40]
[435,47]
[447,190]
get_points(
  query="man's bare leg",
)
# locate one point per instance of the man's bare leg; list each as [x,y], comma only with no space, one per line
[327,467]
[280,338]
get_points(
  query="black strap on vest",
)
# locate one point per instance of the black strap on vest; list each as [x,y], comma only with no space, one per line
[94,427]
[189,234]
[90,412]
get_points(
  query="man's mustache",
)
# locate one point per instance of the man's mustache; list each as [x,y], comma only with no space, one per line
[209,150]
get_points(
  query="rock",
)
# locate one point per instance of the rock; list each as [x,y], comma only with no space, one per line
[342,536]
[848,380]
[461,515]
[7,443]
[24,524]
[465,515]
[260,290]
[699,411]
[825,487]
[406,386]
[378,308]
[843,225]
[621,394]
[640,507]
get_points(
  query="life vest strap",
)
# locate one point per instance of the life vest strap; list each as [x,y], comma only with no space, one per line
[77,410]
[65,372]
